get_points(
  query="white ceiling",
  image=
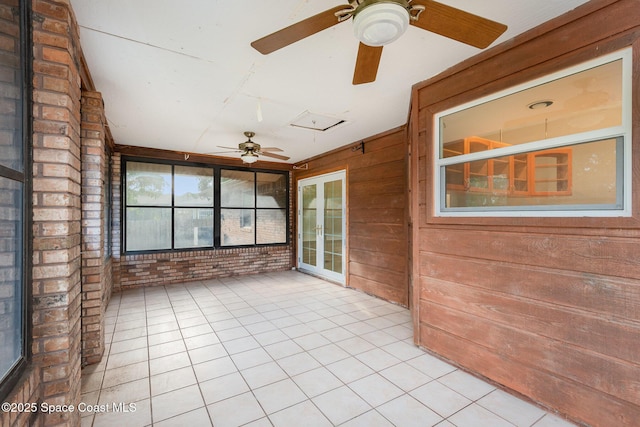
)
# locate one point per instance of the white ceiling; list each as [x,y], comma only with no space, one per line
[181,75]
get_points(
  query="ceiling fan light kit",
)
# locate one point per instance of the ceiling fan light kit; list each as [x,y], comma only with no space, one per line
[380,23]
[249,157]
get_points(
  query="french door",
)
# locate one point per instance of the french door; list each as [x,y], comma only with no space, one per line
[322,225]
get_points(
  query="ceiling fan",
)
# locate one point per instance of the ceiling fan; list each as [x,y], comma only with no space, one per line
[379,22]
[251,150]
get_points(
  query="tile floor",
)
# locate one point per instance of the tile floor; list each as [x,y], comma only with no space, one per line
[280,350]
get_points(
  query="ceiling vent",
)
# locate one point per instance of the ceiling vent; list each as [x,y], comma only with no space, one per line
[317,122]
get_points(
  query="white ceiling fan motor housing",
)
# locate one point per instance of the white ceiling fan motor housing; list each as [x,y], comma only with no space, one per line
[380,23]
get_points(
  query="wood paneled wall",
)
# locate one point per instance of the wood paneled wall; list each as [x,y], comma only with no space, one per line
[377,207]
[547,307]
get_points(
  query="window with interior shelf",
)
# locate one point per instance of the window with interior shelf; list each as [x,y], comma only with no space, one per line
[557,146]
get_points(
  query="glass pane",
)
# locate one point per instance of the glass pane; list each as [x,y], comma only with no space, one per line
[309,224]
[583,175]
[581,102]
[148,184]
[237,189]
[11,92]
[271,226]
[11,314]
[148,229]
[272,190]
[236,227]
[333,226]
[193,186]
[193,228]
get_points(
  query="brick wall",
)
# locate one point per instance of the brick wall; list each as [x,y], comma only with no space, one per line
[176,267]
[28,390]
[96,266]
[115,220]
[56,206]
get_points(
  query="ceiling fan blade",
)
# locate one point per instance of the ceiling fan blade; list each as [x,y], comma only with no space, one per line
[229,148]
[275,156]
[367,64]
[270,149]
[298,31]
[457,24]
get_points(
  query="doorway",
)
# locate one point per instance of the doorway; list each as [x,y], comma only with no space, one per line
[322,225]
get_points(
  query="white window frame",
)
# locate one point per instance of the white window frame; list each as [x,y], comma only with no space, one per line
[622,131]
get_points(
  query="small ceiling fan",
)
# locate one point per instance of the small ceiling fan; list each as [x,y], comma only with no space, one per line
[380,22]
[251,150]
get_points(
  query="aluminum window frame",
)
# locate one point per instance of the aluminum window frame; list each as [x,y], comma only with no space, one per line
[10,378]
[217,206]
[623,132]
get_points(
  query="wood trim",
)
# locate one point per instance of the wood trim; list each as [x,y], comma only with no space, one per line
[128,150]
[351,145]
[414,216]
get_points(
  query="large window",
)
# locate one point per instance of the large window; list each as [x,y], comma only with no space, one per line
[181,206]
[14,191]
[558,146]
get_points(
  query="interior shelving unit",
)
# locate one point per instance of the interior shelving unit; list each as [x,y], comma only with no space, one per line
[540,173]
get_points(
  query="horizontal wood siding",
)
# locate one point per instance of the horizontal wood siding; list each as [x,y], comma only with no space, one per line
[546,307]
[377,206]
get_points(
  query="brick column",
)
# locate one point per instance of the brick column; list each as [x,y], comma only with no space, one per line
[116,168]
[96,289]
[56,207]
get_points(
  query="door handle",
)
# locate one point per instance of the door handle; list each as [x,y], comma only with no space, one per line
[319,230]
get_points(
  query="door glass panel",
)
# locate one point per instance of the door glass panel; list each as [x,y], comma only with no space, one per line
[333,226]
[309,223]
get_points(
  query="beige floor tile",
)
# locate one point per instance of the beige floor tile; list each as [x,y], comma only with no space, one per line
[509,407]
[177,402]
[341,404]
[195,418]
[406,411]
[132,391]
[261,375]
[126,374]
[280,395]
[223,387]
[376,390]
[441,399]
[172,380]
[293,415]
[317,381]
[475,415]
[134,414]
[236,411]
[214,368]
